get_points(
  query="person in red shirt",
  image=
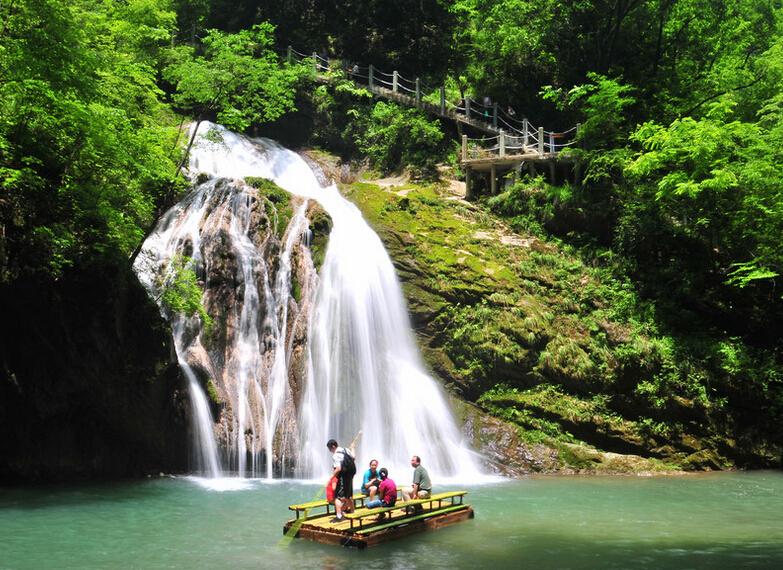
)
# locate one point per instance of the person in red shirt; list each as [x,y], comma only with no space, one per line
[387,492]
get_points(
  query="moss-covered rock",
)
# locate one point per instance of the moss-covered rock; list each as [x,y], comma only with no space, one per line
[321,227]
[277,203]
[578,358]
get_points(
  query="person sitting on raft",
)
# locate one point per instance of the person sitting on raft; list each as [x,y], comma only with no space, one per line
[422,486]
[371,480]
[387,493]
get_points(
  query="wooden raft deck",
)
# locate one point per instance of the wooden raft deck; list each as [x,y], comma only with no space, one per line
[363,527]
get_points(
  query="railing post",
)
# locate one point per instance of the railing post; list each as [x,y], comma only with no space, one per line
[395,80]
[495,115]
[464,147]
[418,92]
[442,100]
[289,56]
[579,132]
[525,132]
[502,143]
[541,140]
[467,107]
[315,62]
[552,148]
[370,75]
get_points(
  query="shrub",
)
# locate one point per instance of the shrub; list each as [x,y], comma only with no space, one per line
[394,138]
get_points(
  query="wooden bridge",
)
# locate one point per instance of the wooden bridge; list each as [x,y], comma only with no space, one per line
[508,144]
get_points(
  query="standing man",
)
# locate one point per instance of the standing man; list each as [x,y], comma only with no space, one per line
[422,487]
[344,468]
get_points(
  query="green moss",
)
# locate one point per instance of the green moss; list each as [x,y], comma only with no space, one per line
[181,292]
[212,392]
[269,189]
[321,226]
[296,288]
[277,203]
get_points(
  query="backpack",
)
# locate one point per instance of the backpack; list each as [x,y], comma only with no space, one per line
[349,465]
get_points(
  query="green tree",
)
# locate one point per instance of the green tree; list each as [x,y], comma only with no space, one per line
[238,80]
[394,137]
[84,139]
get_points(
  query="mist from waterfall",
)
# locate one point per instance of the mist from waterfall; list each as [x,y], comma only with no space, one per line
[365,378]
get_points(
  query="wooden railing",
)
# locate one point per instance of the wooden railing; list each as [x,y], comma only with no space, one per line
[508,135]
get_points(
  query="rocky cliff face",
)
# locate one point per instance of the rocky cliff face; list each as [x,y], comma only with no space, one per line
[88,385]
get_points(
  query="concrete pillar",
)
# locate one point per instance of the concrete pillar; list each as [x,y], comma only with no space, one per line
[395,80]
[418,92]
[315,62]
[541,140]
[493,180]
[464,147]
[371,76]
[502,143]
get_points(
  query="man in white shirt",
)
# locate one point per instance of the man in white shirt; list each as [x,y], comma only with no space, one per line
[344,468]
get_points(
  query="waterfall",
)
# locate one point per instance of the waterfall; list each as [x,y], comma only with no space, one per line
[246,274]
[363,372]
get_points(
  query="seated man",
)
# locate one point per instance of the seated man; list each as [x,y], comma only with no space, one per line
[371,480]
[422,486]
[387,491]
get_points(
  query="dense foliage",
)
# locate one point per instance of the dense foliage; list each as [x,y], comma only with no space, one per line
[237,80]
[89,141]
[85,142]
[347,119]
[678,206]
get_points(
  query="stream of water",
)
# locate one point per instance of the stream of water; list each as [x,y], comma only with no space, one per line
[709,521]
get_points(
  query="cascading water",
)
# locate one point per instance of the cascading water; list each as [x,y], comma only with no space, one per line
[227,229]
[363,372]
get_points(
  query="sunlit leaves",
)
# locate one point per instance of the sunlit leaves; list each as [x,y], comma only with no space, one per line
[238,78]
[85,153]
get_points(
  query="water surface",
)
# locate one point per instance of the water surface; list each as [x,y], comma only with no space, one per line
[723,520]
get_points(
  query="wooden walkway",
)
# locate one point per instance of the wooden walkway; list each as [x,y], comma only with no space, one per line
[508,144]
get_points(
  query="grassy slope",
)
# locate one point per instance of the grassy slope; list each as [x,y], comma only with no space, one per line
[523,327]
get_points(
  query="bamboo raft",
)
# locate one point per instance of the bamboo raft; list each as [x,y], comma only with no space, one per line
[368,527]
